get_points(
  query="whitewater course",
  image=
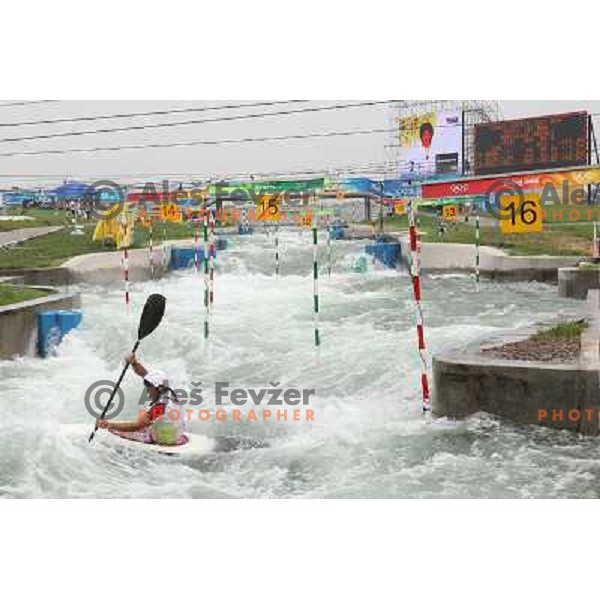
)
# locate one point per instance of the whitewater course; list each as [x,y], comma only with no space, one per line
[368,438]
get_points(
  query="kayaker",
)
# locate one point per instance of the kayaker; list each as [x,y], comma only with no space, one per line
[163,422]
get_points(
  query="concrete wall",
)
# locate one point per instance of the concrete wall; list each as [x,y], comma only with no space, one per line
[494,262]
[576,283]
[467,382]
[102,268]
[106,268]
[18,322]
[50,276]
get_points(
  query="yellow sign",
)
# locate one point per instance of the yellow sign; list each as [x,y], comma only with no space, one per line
[339,195]
[170,212]
[449,213]
[520,214]
[268,209]
[399,209]
[307,220]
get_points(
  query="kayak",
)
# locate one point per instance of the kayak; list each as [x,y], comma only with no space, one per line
[196,444]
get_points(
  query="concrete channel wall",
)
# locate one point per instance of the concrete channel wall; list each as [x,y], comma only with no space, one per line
[103,268]
[576,283]
[106,268]
[557,395]
[524,392]
[494,262]
[18,322]
[50,276]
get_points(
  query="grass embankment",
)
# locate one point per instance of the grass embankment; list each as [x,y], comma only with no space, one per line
[557,239]
[172,231]
[10,294]
[39,217]
[48,250]
[571,329]
[55,248]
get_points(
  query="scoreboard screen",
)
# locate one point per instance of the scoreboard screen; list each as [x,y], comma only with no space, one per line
[552,141]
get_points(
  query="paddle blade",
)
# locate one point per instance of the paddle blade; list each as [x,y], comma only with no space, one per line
[152,315]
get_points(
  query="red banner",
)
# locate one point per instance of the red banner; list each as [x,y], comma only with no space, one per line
[526,181]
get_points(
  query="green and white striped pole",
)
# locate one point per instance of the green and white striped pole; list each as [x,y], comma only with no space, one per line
[316,282]
[329,250]
[206,272]
[277,250]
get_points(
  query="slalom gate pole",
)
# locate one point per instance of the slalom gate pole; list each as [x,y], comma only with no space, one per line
[164,241]
[316,282]
[151,249]
[125,264]
[206,273]
[329,250]
[211,260]
[245,219]
[277,250]
[415,249]
[196,248]
[477,246]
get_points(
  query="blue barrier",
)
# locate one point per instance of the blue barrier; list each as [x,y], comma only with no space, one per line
[53,325]
[245,230]
[337,232]
[387,253]
[183,258]
[221,244]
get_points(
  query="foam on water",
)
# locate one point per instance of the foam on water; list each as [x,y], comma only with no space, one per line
[369,438]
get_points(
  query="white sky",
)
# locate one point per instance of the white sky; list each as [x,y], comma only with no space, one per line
[288,156]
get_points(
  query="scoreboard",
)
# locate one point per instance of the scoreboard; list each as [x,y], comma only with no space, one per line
[552,141]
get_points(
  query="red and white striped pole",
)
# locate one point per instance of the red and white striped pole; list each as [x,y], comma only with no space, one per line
[126,277]
[151,248]
[415,251]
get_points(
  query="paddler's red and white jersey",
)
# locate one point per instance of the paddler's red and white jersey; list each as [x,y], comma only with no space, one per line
[166,410]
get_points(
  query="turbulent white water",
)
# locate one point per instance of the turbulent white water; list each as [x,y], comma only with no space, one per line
[369,438]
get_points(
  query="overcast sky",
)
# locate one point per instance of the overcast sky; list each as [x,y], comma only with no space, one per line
[256,157]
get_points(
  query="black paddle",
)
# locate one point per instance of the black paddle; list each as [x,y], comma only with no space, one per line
[153,312]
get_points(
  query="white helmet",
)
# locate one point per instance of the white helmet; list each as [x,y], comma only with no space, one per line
[156,378]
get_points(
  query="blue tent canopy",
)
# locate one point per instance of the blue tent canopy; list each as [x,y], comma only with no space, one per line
[71,190]
[18,198]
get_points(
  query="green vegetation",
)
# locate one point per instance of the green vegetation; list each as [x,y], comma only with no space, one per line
[571,329]
[557,239]
[40,217]
[53,249]
[172,231]
[48,250]
[10,294]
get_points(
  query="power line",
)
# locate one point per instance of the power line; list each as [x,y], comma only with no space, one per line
[195,121]
[150,113]
[197,143]
[27,103]
[353,167]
